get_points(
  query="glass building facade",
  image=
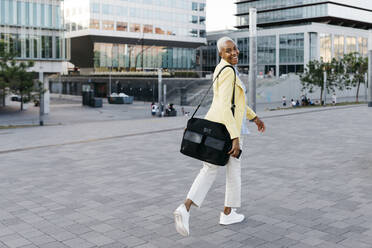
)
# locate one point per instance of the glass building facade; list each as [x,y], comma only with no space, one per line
[288,52]
[244,6]
[291,53]
[124,57]
[175,27]
[282,12]
[281,15]
[209,55]
[33,29]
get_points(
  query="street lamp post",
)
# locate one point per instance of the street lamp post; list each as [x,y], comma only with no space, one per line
[325,88]
[370,69]
[41,100]
[160,91]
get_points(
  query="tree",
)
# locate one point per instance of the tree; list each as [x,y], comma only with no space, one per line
[4,77]
[313,76]
[14,74]
[355,68]
[23,81]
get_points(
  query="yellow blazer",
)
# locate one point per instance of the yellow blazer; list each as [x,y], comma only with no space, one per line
[220,110]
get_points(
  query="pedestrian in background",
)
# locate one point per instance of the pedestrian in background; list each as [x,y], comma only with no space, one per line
[334,99]
[154,109]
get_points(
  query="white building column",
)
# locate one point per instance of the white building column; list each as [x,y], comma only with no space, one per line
[306,48]
[277,51]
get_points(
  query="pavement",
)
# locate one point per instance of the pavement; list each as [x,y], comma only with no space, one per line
[306,182]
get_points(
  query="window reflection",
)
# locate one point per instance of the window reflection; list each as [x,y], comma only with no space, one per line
[134,27]
[122,26]
[147,28]
[94,24]
[202,20]
[350,44]
[194,6]
[363,46]
[129,57]
[159,30]
[108,25]
[193,33]
[338,44]
[325,47]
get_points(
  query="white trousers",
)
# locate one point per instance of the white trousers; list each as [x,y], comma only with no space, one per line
[206,177]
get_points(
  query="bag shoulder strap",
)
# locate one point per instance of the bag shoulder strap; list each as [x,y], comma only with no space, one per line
[233,96]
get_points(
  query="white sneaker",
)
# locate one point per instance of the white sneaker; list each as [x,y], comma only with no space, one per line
[232,218]
[181,218]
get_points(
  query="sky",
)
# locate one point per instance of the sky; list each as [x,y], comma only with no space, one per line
[220,14]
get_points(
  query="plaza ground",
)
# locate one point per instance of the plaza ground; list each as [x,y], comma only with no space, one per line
[115,182]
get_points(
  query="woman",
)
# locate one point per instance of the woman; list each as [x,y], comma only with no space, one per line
[220,111]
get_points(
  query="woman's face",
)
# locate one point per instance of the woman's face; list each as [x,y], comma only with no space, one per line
[230,52]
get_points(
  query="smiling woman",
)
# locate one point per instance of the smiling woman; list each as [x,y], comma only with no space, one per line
[220,14]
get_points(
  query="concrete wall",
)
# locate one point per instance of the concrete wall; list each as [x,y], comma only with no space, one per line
[272,91]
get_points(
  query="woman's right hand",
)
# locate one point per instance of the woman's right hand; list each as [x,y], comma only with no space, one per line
[234,152]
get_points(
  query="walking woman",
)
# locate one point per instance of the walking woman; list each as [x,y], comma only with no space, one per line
[220,111]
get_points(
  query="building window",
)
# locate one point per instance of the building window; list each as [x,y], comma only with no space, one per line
[42,15]
[136,28]
[147,28]
[325,47]
[202,33]
[363,46]
[291,48]
[19,13]
[338,44]
[159,30]
[193,33]
[46,47]
[36,47]
[94,24]
[58,47]
[95,8]
[49,15]
[106,9]
[34,16]
[28,47]
[194,19]
[201,6]
[194,6]
[350,44]
[313,46]
[27,10]
[108,25]
[122,26]
[202,20]
[266,51]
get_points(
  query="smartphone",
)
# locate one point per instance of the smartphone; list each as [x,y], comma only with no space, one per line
[240,153]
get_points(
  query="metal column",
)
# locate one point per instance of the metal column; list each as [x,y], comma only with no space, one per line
[370,69]
[252,58]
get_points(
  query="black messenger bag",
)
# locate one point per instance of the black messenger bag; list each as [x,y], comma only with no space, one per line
[207,140]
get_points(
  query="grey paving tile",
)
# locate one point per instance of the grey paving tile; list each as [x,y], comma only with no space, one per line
[108,194]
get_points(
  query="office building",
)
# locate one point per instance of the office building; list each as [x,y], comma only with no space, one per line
[293,32]
[133,35]
[33,30]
